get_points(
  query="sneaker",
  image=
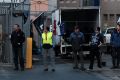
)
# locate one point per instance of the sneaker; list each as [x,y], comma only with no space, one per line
[53,70]
[16,69]
[46,69]
[117,67]
[99,66]
[22,69]
[89,69]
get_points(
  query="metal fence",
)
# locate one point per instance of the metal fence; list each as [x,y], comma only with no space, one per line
[7,9]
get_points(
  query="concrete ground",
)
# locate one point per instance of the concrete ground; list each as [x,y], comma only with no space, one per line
[64,71]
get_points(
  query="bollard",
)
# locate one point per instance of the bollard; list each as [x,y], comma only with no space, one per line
[29,54]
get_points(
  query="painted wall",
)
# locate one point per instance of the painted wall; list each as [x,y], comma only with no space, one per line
[36,5]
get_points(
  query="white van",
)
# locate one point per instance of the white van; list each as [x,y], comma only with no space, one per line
[107,34]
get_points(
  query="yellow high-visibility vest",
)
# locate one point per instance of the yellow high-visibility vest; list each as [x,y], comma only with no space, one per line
[47,38]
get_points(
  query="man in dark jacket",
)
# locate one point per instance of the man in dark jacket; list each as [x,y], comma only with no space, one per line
[115,42]
[76,39]
[96,41]
[17,40]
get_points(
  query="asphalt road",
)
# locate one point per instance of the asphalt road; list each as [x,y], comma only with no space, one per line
[64,71]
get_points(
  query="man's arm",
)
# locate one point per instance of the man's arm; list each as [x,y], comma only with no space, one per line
[111,39]
[101,40]
[83,38]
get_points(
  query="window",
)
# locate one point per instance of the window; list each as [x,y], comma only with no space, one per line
[91,2]
[105,17]
[109,31]
[118,16]
[112,17]
[86,2]
[105,0]
[61,1]
[67,1]
[74,1]
[112,0]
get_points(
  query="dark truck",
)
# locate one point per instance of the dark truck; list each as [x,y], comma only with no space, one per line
[86,19]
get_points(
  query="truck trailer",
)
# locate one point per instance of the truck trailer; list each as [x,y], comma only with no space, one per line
[86,19]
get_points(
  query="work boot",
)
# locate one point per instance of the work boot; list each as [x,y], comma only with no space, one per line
[53,70]
[22,69]
[113,67]
[16,69]
[75,67]
[99,66]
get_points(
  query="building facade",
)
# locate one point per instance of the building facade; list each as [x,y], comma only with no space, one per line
[80,12]
[78,4]
[52,5]
[109,10]
[39,5]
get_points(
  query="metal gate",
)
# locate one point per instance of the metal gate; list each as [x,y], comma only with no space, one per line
[7,10]
[4,30]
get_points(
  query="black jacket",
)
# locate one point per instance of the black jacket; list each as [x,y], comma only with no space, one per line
[17,38]
[76,39]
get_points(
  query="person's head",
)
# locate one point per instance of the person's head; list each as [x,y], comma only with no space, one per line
[16,27]
[77,29]
[97,30]
[46,29]
[118,27]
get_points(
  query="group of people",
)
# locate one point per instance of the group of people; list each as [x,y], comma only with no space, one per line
[97,39]
[76,40]
[17,41]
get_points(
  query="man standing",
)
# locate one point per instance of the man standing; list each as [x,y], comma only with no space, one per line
[17,40]
[77,39]
[47,50]
[96,41]
[115,42]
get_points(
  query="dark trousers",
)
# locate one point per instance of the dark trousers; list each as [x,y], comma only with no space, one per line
[18,57]
[81,57]
[95,53]
[116,56]
[57,50]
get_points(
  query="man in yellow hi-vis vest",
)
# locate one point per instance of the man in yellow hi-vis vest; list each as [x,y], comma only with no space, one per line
[47,49]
